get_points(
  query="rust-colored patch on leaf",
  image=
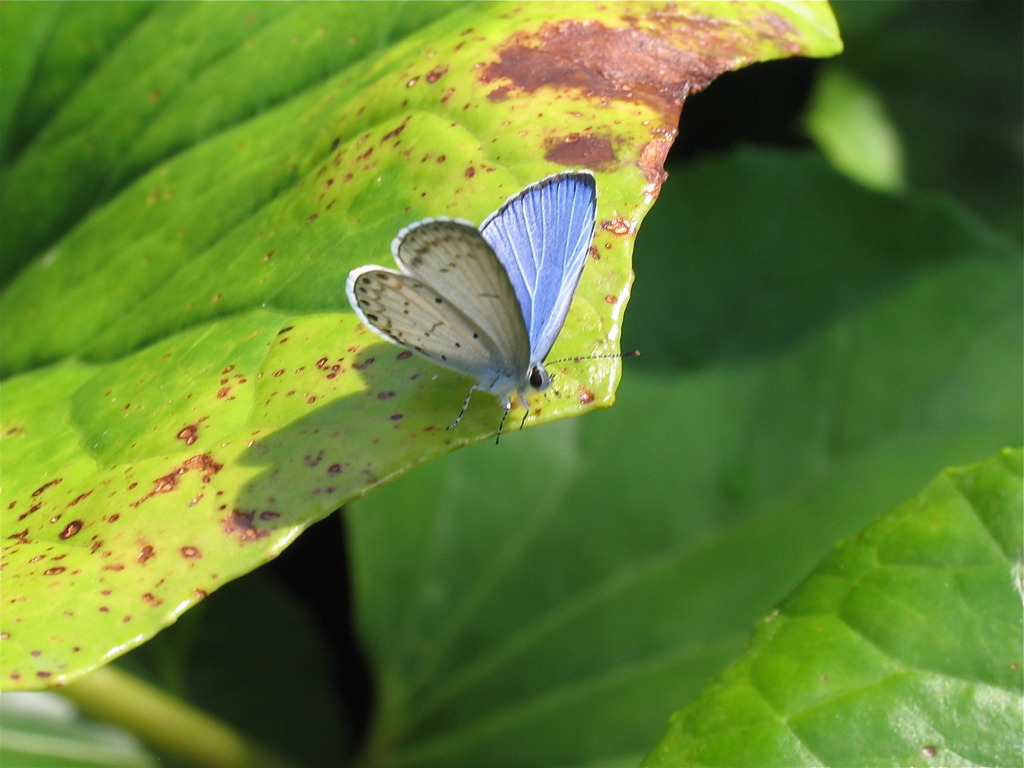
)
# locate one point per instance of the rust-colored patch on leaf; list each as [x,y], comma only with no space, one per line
[611,63]
[653,154]
[577,149]
[658,60]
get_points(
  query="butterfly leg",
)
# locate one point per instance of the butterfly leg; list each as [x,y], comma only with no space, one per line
[501,424]
[465,405]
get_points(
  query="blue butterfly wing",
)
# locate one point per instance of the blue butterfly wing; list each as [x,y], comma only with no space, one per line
[542,236]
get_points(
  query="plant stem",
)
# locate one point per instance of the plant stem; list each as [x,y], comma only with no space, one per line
[167,723]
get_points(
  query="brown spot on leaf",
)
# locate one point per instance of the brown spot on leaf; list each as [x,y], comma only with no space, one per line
[189,433]
[241,523]
[31,509]
[191,552]
[146,551]
[71,529]
[163,484]
[586,396]
[78,498]
[203,462]
[54,571]
[616,226]
[395,131]
[44,486]
[436,74]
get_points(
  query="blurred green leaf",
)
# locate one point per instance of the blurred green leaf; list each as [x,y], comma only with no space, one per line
[550,602]
[187,390]
[902,648]
[950,77]
[44,730]
[849,123]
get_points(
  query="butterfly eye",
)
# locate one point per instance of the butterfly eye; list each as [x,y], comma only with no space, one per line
[539,378]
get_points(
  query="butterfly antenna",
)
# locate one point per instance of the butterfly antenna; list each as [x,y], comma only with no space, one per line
[465,405]
[578,358]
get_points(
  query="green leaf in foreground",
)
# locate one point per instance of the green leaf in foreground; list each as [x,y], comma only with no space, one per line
[187,390]
[903,648]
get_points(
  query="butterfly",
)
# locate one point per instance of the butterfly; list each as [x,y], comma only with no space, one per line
[486,302]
